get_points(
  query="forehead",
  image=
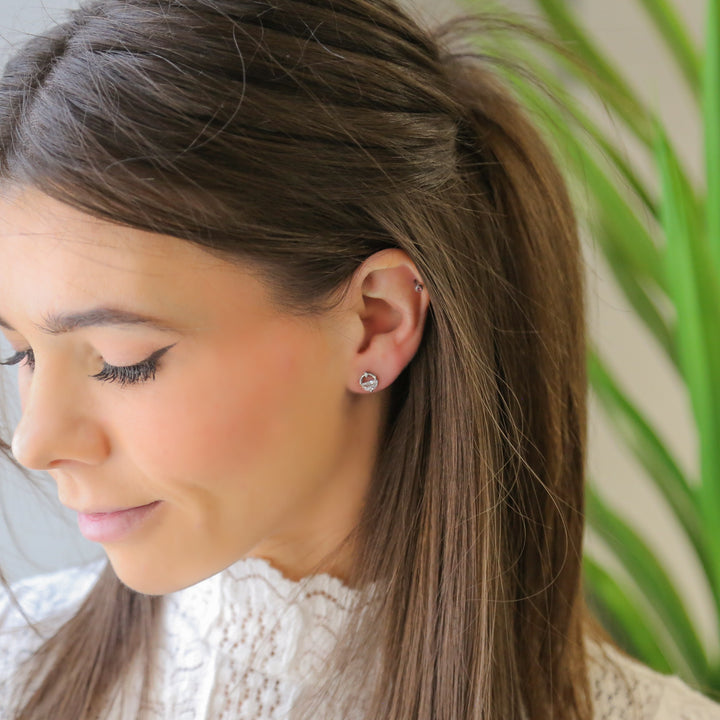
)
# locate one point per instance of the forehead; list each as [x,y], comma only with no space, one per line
[33,224]
[56,258]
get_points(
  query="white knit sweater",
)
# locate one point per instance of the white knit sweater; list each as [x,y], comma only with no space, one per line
[242,644]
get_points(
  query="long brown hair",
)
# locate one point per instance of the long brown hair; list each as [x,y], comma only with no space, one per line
[303,136]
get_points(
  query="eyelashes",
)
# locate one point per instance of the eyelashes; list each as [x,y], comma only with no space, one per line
[24,355]
[120,374]
[132,374]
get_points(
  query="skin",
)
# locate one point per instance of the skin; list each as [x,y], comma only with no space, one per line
[254,433]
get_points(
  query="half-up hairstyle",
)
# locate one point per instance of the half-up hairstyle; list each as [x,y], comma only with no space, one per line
[304,136]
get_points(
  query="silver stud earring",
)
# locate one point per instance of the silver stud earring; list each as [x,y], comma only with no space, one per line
[418,286]
[368,381]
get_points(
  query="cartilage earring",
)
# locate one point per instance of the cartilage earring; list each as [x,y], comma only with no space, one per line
[418,286]
[368,381]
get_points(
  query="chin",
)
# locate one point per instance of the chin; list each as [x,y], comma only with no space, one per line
[149,574]
[145,579]
[146,586]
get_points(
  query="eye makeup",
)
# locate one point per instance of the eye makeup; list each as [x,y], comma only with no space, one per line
[19,357]
[132,374]
[120,374]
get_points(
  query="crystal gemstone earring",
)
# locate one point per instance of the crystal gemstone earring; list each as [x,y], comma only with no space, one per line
[368,381]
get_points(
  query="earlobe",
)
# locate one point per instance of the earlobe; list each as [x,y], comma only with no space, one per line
[393,305]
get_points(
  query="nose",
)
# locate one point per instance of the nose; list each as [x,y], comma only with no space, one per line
[54,427]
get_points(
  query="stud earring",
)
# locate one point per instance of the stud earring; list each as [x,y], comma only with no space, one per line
[368,381]
[418,286]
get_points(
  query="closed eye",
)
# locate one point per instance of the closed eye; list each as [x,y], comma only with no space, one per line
[121,374]
[24,355]
[132,374]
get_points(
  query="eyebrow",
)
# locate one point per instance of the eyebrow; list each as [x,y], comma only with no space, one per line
[60,323]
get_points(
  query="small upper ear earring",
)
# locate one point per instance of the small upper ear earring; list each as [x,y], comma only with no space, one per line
[418,286]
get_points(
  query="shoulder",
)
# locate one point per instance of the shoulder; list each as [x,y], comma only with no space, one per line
[33,609]
[623,689]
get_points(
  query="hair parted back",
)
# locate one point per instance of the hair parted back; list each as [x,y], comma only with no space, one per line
[303,136]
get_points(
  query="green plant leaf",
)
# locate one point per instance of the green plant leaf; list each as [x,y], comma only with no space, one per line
[652,580]
[651,452]
[619,615]
[637,295]
[677,39]
[632,241]
[596,70]
[512,45]
[634,244]
[695,290]
[587,62]
[711,113]
[561,115]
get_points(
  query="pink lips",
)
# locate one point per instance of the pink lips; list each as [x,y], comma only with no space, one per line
[116,525]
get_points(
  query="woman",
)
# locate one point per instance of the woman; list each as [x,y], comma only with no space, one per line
[296,298]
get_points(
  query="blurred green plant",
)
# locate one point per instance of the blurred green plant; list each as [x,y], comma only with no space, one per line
[661,239]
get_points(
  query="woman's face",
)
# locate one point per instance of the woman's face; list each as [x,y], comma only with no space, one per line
[186,418]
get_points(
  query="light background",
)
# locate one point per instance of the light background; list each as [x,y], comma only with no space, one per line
[49,538]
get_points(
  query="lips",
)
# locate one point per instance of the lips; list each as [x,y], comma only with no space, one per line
[116,524]
[110,510]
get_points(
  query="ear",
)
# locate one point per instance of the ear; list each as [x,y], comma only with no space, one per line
[387,294]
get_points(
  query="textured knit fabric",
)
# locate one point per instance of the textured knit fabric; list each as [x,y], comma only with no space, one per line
[244,643]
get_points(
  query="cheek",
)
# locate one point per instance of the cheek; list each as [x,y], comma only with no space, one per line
[244,415]
[23,384]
